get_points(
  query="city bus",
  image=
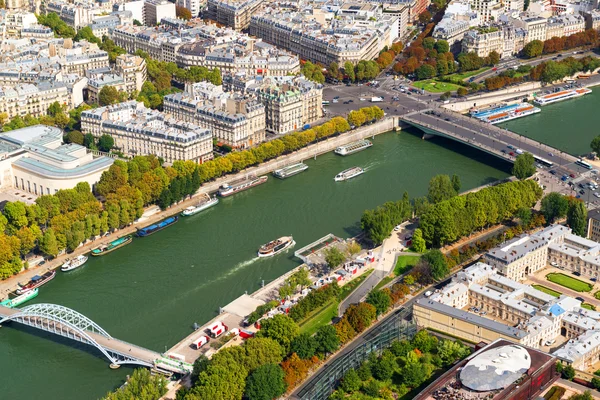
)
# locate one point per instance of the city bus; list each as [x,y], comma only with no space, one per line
[583,164]
[325,103]
[543,161]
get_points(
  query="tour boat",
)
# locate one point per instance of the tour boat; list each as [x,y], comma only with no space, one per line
[206,202]
[276,246]
[290,170]
[17,301]
[560,96]
[241,185]
[349,174]
[36,282]
[149,230]
[77,262]
[115,244]
[353,147]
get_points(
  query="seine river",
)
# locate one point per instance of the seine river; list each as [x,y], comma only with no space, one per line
[152,291]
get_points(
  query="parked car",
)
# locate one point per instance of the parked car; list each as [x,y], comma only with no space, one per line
[428,293]
[554,264]
[593,279]
[581,299]
[576,273]
[550,342]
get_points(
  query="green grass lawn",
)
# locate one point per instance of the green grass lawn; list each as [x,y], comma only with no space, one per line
[433,86]
[588,306]
[547,290]
[405,263]
[319,317]
[597,295]
[384,281]
[569,282]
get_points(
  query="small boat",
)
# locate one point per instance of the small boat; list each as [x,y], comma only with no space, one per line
[36,282]
[17,301]
[353,147]
[115,244]
[241,185]
[77,262]
[206,202]
[290,170]
[349,174]
[149,230]
[276,246]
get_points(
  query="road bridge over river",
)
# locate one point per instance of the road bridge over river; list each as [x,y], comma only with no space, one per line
[68,323]
[488,138]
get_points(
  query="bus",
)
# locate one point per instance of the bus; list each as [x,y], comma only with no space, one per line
[325,103]
[583,164]
[543,161]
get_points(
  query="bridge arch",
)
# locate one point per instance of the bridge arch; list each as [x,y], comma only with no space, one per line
[68,323]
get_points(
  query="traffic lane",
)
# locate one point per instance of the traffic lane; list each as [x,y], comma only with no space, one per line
[471,132]
[514,139]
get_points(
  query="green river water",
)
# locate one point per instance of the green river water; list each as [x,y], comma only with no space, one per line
[152,291]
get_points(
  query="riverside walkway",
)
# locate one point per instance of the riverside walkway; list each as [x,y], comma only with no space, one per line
[70,324]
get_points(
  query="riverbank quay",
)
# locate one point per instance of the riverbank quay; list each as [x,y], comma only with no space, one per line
[233,314]
[152,216]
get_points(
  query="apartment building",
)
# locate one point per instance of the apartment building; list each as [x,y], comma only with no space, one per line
[193,5]
[488,10]
[16,21]
[201,44]
[101,80]
[593,230]
[35,160]
[80,63]
[33,99]
[136,8]
[583,352]
[133,70]
[235,120]
[592,19]
[535,26]
[451,30]
[157,10]
[483,41]
[76,15]
[311,37]
[235,14]
[138,130]
[400,11]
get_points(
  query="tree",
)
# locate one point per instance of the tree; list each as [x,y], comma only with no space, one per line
[89,141]
[425,71]
[349,71]
[424,341]
[577,217]
[344,330]
[587,395]
[106,142]
[327,339]
[265,383]
[595,145]
[445,96]
[524,166]
[442,46]
[438,263]
[384,367]
[200,365]
[75,137]
[418,242]
[424,17]
[568,372]
[108,95]
[380,299]
[360,316]
[524,215]
[304,345]
[353,248]
[533,49]
[137,22]
[440,188]
[334,257]
[183,13]
[280,328]
[554,206]
[351,382]
[48,243]
[356,118]
[462,92]
[494,57]
[142,385]
[456,183]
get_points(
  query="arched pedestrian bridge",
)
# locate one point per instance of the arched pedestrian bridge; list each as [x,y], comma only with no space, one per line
[69,323]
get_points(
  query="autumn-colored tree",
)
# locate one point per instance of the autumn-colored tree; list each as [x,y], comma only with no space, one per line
[295,370]
[344,330]
[183,13]
[360,316]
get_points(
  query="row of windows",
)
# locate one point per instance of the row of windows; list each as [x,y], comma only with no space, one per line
[27,186]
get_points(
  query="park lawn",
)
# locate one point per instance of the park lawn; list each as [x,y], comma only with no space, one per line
[597,295]
[588,306]
[569,282]
[320,317]
[405,263]
[547,290]
[433,86]
[384,281]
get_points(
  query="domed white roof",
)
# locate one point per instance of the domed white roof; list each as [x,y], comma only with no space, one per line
[496,368]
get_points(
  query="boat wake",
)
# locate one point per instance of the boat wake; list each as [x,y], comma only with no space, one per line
[371,165]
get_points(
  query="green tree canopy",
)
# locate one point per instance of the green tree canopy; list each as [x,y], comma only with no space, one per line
[334,257]
[418,242]
[595,145]
[577,217]
[380,299]
[265,383]
[327,339]
[108,95]
[524,166]
[438,263]
[280,328]
[533,49]
[440,188]
[141,386]
[106,143]
[554,206]
[304,345]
